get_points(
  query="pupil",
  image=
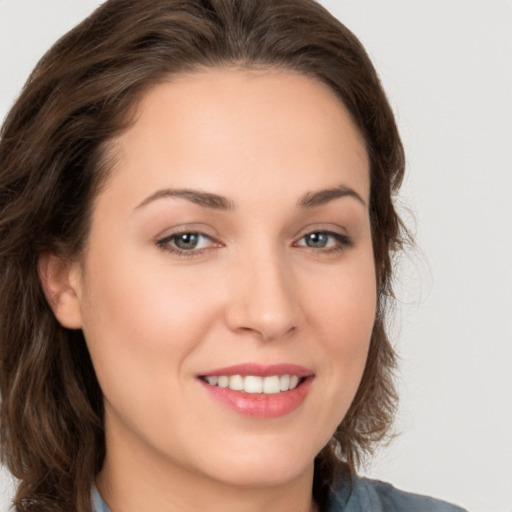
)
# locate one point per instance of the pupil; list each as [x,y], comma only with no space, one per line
[187,241]
[316,240]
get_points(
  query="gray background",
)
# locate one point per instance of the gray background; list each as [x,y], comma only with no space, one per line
[446,65]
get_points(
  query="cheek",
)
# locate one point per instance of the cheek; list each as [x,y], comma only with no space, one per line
[346,303]
[139,323]
[131,300]
[344,311]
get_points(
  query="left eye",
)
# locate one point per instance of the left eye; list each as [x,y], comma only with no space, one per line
[324,240]
[189,241]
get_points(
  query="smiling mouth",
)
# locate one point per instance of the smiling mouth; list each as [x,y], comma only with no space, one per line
[254,384]
[256,390]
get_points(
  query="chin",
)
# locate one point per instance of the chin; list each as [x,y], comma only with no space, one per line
[261,474]
[263,465]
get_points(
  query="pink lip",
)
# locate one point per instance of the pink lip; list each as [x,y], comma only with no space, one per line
[258,404]
[261,370]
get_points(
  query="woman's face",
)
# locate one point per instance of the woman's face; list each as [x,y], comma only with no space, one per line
[231,246]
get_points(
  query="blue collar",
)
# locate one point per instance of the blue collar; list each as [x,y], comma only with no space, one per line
[98,505]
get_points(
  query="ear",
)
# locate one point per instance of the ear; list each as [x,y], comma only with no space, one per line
[61,283]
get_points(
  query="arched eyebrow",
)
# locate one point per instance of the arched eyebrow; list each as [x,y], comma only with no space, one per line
[205,199]
[313,199]
[218,202]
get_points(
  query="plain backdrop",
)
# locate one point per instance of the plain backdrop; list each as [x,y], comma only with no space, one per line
[447,68]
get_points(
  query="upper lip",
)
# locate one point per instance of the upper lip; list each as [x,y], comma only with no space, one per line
[261,370]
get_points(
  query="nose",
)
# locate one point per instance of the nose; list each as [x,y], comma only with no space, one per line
[263,298]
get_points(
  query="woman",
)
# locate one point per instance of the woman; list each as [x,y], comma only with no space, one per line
[197,231]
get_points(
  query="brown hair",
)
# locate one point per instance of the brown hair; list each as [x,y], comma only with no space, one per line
[53,160]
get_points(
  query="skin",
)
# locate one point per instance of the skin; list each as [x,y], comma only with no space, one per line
[253,290]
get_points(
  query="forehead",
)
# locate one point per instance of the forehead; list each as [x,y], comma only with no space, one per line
[225,126]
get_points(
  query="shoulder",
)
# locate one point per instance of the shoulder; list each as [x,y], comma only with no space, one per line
[385,497]
[363,494]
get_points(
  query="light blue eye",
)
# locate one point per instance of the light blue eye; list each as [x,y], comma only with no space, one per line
[328,240]
[189,241]
[317,240]
[186,241]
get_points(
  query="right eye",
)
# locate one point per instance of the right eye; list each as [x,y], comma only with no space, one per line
[186,243]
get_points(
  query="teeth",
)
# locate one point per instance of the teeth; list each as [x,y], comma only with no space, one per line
[271,385]
[253,384]
[284,383]
[236,382]
[223,381]
[212,380]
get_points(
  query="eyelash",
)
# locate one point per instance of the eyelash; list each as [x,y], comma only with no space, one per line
[342,243]
[165,244]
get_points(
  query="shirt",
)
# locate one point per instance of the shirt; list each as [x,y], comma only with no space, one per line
[366,495]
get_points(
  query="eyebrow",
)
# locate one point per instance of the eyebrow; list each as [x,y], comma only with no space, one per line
[205,199]
[218,202]
[313,199]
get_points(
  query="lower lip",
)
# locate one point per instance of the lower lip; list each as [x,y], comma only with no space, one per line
[261,405]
